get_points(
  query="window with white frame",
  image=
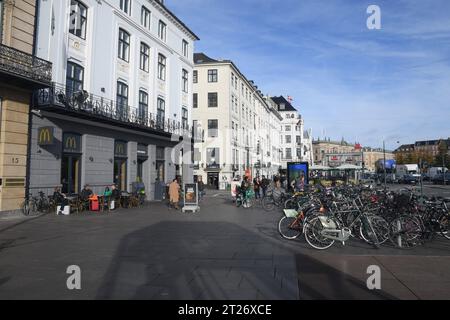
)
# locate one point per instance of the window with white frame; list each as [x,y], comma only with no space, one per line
[184,79]
[195,76]
[162,29]
[125,6]
[184,117]
[185,48]
[124,45]
[161,67]
[78,18]
[195,100]
[145,57]
[212,75]
[145,17]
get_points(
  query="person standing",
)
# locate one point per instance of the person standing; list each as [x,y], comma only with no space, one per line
[201,187]
[256,187]
[174,194]
[264,185]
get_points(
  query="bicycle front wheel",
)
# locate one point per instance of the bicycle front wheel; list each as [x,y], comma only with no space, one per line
[313,235]
[268,203]
[405,232]
[25,208]
[444,225]
[289,228]
[378,230]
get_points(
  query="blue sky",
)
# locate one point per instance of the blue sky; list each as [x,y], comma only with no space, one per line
[347,81]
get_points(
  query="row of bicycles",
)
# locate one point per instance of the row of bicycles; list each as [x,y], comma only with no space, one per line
[42,204]
[325,216]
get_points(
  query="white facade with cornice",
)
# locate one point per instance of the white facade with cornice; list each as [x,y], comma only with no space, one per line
[248,129]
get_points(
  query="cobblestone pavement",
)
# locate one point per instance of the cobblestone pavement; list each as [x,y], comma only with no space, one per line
[222,252]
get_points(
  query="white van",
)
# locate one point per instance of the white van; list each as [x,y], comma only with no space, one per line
[434,171]
[407,169]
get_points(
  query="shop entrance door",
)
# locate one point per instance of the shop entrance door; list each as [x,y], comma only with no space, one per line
[213,180]
[120,173]
[70,173]
[160,166]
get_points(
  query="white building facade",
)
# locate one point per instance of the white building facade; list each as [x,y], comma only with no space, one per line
[123,91]
[296,142]
[241,129]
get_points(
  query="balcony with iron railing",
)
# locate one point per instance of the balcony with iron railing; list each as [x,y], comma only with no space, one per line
[23,69]
[81,104]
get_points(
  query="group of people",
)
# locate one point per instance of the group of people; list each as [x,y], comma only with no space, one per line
[61,199]
[260,185]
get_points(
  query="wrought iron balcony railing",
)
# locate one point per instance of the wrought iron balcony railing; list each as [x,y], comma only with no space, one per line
[60,98]
[24,65]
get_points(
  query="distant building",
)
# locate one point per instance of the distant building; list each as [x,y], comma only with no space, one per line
[427,149]
[321,147]
[242,127]
[296,143]
[334,154]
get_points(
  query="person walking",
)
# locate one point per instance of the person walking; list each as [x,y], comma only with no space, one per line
[174,194]
[201,188]
[264,185]
[256,187]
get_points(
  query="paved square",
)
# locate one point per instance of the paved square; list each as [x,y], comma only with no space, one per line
[223,252]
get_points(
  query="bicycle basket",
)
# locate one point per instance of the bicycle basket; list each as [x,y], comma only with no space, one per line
[290,213]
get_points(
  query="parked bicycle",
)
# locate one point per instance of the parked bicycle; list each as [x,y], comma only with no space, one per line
[37,204]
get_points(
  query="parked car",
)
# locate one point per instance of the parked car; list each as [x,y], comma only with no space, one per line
[439,178]
[409,179]
[391,179]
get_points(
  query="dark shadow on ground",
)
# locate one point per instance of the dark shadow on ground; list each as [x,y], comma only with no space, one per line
[205,260]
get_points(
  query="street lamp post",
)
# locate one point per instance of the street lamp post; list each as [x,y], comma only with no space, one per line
[443,166]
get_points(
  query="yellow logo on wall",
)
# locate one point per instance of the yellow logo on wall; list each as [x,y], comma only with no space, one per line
[120,148]
[71,143]
[45,136]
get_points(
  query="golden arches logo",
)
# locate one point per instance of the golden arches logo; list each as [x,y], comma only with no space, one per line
[45,136]
[120,149]
[71,143]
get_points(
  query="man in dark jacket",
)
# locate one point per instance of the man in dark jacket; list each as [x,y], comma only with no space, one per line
[86,193]
[264,185]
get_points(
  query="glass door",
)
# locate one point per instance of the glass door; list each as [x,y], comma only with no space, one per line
[70,174]
[120,173]
[160,165]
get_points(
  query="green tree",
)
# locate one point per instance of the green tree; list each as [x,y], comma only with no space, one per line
[442,157]
[400,158]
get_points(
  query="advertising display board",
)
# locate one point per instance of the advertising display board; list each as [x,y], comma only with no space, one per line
[191,197]
[296,170]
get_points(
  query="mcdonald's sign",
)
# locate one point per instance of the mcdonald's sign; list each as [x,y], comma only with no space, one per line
[71,142]
[120,149]
[45,136]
